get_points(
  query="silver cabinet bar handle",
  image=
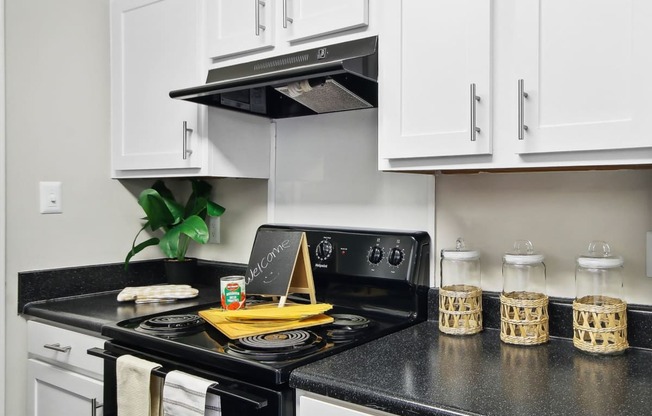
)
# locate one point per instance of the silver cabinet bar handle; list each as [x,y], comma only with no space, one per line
[259,3]
[57,347]
[186,130]
[474,128]
[522,95]
[94,406]
[286,18]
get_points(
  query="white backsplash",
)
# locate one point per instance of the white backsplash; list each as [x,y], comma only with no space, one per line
[560,212]
[327,174]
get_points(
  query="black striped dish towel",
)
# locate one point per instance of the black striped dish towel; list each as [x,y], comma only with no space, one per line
[185,395]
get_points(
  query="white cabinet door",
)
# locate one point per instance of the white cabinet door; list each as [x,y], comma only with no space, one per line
[237,26]
[155,49]
[585,66]
[437,50]
[306,19]
[57,392]
[241,26]
[324,406]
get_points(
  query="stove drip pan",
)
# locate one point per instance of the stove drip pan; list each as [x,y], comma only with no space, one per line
[347,327]
[278,346]
[172,325]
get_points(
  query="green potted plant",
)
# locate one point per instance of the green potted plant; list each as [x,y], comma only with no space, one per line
[179,225]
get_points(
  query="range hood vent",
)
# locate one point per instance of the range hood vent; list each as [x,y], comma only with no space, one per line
[332,78]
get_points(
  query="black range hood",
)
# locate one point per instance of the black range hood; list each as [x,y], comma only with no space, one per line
[338,77]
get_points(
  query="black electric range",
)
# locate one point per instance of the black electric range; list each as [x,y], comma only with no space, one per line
[376,280]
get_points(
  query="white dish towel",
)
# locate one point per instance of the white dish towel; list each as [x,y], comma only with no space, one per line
[185,395]
[139,393]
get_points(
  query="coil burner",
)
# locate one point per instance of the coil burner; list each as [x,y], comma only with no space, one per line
[172,325]
[279,346]
[347,327]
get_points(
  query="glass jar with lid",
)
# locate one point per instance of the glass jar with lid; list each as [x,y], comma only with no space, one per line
[599,313]
[460,295]
[523,301]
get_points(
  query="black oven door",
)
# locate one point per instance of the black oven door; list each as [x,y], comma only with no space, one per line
[238,398]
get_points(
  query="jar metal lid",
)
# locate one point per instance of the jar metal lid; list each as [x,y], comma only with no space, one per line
[598,263]
[460,255]
[523,258]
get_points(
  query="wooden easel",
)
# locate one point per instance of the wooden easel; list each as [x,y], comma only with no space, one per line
[301,280]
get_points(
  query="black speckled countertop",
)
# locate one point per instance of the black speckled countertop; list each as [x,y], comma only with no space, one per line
[419,371]
[86,297]
[94,310]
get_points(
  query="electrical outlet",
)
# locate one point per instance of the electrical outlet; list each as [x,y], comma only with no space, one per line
[648,254]
[50,198]
[214,230]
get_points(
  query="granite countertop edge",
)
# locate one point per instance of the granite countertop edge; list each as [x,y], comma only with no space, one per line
[368,396]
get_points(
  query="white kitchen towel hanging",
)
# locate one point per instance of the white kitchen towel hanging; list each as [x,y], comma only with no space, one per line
[138,392]
[185,395]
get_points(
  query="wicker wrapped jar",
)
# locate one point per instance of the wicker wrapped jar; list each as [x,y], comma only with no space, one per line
[460,295]
[599,313]
[523,302]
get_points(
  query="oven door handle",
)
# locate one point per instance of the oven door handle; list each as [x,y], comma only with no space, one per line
[218,389]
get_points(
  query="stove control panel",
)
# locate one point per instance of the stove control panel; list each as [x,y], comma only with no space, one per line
[384,254]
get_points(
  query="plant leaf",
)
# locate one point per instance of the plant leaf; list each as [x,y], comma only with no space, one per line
[213,209]
[161,212]
[138,248]
[201,188]
[201,191]
[164,191]
[194,227]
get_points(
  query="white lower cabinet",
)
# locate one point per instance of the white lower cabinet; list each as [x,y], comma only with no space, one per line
[62,379]
[310,404]
[58,392]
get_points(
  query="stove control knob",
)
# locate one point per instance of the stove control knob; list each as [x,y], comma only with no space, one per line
[324,250]
[375,255]
[396,256]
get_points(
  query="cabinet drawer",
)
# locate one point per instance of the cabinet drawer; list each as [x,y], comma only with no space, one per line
[43,341]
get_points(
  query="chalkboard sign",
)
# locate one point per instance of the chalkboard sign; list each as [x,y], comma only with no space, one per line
[279,264]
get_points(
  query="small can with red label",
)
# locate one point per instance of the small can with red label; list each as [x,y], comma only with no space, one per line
[232,292]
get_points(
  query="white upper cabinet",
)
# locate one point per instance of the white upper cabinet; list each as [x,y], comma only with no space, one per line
[158,46]
[236,27]
[154,49]
[561,83]
[306,19]
[435,89]
[585,66]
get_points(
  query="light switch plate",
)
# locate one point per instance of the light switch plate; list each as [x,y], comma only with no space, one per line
[50,197]
[648,254]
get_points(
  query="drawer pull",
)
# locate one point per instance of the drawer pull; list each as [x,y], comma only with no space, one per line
[259,4]
[474,129]
[286,19]
[57,347]
[522,95]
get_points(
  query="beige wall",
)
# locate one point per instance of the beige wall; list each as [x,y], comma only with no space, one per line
[57,64]
[57,130]
[560,212]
